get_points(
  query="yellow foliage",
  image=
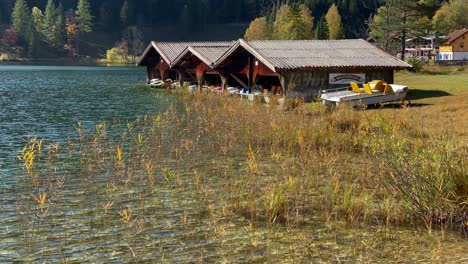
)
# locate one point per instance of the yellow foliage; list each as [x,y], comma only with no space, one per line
[335,27]
[258,30]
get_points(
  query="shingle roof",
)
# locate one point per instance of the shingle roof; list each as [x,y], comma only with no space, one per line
[170,50]
[208,54]
[456,34]
[309,54]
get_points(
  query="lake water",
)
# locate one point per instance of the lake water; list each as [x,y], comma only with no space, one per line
[48,101]
[174,224]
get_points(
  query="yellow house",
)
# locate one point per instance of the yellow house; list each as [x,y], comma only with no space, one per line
[456,47]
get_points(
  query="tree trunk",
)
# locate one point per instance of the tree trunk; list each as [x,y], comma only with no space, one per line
[403,39]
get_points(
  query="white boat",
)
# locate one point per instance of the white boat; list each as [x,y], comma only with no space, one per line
[390,93]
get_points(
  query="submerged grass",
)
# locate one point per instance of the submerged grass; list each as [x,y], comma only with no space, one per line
[215,158]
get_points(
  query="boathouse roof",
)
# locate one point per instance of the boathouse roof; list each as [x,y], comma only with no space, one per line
[169,51]
[208,54]
[281,55]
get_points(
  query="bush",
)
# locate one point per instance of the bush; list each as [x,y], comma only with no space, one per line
[417,64]
[5,57]
[112,55]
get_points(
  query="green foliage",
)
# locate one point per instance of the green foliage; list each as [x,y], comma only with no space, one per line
[451,16]
[37,19]
[50,18]
[321,32]
[83,18]
[417,64]
[396,21]
[20,18]
[124,13]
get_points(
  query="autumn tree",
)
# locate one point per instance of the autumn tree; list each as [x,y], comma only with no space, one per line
[308,20]
[10,37]
[258,30]
[451,16]
[281,25]
[335,26]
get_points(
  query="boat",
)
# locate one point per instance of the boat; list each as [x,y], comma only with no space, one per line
[373,93]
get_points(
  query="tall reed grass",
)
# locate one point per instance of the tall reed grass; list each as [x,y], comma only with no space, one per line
[236,158]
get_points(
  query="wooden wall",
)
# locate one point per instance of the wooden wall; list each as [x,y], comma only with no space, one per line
[308,84]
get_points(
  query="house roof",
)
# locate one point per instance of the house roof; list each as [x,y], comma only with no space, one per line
[169,51]
[316,54]
[207,54]
[456,34]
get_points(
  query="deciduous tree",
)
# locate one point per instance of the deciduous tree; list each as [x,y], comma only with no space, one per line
[451,16]
[258,30]
[281,25]
[308,20]
[335,26]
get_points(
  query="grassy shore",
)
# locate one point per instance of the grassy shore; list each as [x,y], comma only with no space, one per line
[230,158]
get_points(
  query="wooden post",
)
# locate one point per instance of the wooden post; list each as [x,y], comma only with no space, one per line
[250,75]
[181,73]
[283,82]
[224,80]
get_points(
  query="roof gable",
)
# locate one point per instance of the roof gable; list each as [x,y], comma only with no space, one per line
[207,54]
[456,35]
[169,51]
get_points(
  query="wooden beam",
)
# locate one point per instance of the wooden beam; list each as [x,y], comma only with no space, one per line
[239,80]
[250,75]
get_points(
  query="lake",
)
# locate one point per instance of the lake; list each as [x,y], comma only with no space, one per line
[93,216]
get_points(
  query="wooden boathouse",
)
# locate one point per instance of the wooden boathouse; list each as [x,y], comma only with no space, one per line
[301,68]
[159,56]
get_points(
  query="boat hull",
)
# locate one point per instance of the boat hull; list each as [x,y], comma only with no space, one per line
[354,99]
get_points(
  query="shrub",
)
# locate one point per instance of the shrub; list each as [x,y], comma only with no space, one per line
[417,64]
[5,57]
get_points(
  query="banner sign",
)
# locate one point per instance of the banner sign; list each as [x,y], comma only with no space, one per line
[346,78]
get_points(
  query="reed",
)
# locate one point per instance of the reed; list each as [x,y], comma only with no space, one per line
[215,159]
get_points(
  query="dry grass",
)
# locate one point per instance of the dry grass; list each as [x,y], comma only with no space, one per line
[235,158]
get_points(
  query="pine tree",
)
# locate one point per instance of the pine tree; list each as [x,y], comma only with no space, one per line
[37,20]
[124,13]
[321,32]
[335,26]
[49,19]
[20,18]
[59,27]
[395,21]
[32,42]
[297,26]
[83,17]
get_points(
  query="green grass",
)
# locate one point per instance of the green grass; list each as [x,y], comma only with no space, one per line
[435,82]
